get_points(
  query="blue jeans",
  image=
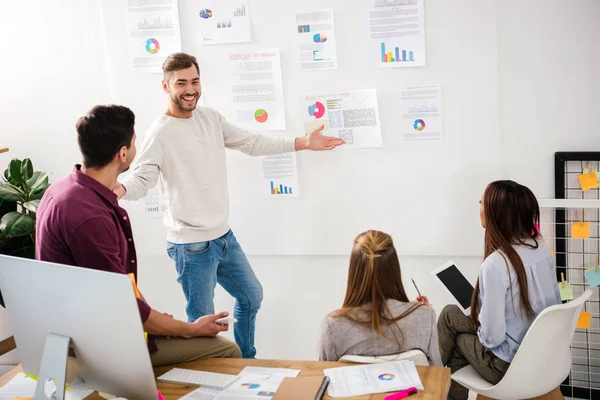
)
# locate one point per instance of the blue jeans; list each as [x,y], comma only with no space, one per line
[201,265]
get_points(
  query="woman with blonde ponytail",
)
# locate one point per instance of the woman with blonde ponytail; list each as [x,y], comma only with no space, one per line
[517,280]
[377,318]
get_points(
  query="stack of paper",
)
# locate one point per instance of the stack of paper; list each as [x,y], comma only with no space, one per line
[373,378]
[23,386]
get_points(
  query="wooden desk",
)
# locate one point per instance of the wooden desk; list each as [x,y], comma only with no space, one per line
[436,380]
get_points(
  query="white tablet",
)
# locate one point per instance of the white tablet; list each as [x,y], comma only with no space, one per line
[456,284]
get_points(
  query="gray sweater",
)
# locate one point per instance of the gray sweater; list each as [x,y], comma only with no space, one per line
[188,156]
[417,331]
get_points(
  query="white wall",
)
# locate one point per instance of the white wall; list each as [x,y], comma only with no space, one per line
[53,71]
[547,103]
[549,85]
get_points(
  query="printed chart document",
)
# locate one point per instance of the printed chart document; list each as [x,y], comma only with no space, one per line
[373,378]
[422,113]
[316,40]
[352,116]
[256,383]
[257,90]
[396,33]
[153,33]
[153,203]
[203,393]
[279,176]
[218,21]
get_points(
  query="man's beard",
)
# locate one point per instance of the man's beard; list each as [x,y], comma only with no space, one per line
[178,102]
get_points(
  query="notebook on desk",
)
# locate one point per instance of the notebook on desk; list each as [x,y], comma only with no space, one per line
[302,388]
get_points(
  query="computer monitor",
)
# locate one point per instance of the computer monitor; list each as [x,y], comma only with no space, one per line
[97,310]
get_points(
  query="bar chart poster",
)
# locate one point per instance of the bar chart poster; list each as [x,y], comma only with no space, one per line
[217,21]
[396,33]
[280,176]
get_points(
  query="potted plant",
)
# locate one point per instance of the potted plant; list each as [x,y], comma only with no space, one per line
[21,190]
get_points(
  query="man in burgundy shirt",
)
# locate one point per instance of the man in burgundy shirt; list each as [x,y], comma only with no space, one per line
[79,222]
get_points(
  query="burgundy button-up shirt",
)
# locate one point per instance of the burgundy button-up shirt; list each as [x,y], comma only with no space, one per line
[80,223]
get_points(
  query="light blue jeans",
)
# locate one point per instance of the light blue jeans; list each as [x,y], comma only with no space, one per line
[201,265]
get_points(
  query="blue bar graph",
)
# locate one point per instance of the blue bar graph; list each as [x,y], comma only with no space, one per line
[398,55]
[280,189]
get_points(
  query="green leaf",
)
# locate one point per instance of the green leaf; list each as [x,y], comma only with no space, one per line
[15,224]
[32,205]
[6,175]
[9,192]
[26,169]
[15,169]
[38,182]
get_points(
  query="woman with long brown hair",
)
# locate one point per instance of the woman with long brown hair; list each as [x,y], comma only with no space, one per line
[377,318]
[517,280]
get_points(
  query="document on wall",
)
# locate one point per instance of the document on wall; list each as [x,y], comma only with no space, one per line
[153,203]
[279,176]
[256,383]
[153,33]
[422,113]
[352,116]
[315,35]
[218,21]
[396,33]
[373,378]
[257,90]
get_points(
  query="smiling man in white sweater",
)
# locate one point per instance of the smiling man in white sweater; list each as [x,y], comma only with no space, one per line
[185,148]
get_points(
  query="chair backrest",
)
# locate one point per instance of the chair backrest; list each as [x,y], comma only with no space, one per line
[544,357]
[417,356]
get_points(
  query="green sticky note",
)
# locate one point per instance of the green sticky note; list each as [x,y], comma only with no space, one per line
[597,175]
[566,293]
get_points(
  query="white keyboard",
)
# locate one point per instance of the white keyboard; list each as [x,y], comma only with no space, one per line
[197,378]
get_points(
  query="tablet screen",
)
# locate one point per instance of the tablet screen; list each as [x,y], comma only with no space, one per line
[457,284]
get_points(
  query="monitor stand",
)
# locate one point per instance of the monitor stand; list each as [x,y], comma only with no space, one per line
[53,366]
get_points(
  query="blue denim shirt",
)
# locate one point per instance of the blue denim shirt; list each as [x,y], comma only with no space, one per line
[503,325]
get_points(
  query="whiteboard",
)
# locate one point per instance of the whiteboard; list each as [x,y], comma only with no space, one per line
[425,194]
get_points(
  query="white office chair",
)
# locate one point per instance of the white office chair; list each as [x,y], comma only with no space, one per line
[417,356]
[542,362]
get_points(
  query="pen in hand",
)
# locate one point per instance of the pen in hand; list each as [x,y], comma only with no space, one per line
[421,298]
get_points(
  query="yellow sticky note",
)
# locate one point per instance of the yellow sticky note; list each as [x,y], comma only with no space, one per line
[580,230]
[137,292]
[584,320]
[566,291]
[588,181]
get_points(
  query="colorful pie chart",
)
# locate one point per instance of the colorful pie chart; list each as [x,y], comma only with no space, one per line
[319,38]
[386,377]
[152,46]
[261,116]
[419,125]
[316,110]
